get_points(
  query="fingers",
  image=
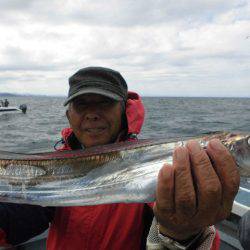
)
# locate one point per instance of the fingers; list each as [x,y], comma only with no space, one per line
[227,172]
[165,189]
[197,191]
[185,197]
[208,187]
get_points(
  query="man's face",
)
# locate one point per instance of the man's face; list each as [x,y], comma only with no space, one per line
[95,119]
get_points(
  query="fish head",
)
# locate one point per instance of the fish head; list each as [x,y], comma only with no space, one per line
[239,146]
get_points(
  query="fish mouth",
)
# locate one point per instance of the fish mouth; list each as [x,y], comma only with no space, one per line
[240,149]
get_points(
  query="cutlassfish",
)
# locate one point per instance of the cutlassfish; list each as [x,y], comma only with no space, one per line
[119,172]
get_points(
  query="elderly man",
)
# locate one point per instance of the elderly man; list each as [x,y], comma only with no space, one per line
[192,195]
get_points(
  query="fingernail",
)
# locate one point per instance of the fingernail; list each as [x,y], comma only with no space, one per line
[180,153]
[166,171]
[216,144]
[194,146]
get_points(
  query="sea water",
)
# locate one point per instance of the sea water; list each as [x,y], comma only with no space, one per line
[169,117]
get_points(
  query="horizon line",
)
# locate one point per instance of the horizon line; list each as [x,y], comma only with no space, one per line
[150,96]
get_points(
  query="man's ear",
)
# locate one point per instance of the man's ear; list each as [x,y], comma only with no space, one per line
[67,113]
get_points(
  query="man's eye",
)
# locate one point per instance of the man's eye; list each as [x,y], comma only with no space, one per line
[106,103]
[79,104]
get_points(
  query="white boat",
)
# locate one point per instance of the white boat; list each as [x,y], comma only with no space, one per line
[12,109]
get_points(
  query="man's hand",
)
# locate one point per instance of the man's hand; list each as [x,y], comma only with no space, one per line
[197,191]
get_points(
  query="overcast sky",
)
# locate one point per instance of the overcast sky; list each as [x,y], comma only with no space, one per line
[161,47]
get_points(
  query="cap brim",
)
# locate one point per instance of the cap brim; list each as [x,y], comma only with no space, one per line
[93,91]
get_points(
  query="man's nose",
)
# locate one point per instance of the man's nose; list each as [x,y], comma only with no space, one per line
[92,117]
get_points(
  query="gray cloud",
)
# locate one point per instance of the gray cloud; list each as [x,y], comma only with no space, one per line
[161,47]
[15,5]
[23,61]
[115,13]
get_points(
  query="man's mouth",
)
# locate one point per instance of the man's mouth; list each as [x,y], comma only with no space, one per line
[95,130]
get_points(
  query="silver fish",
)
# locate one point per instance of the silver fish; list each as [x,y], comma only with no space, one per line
[119,172]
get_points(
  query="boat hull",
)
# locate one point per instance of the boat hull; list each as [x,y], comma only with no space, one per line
[6,110]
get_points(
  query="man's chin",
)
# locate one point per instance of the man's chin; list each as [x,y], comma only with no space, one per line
[96,142]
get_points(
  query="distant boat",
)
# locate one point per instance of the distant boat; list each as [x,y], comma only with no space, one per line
[12,109]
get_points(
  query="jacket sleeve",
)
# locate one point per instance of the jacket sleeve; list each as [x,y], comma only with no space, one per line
[19,222]
[209,240]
